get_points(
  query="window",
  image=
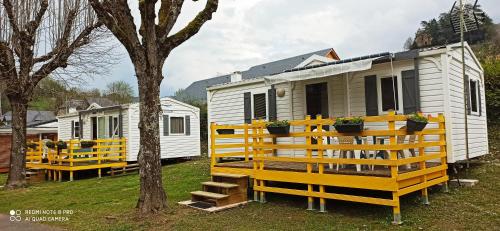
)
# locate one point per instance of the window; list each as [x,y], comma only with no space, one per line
[115,126]
[259,106]
[76,129]
[177,125]
[387,96]
[474,96]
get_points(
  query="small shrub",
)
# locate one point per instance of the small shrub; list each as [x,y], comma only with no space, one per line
[61,144]
[278,123]
[417,118]
[50,144]
[87,143]
[346,121]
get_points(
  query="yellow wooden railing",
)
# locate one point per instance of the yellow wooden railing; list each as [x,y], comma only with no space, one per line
[252,142]
[106,153]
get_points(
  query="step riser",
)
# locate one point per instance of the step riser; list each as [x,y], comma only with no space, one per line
[225,191]
[242,182]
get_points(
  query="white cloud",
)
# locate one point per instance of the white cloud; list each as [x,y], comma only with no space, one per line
[249,32]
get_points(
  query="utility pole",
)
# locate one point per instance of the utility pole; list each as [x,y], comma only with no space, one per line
[466,111]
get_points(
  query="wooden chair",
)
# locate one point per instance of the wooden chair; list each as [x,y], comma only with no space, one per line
[330,153]
[344,153]
[401,140]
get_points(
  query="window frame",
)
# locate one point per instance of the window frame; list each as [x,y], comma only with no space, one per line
[399,83]
[171,133]
[478,102]
[76,133]
[252,102]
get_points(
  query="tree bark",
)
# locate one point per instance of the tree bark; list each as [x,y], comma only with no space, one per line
[152,196]
[17,172]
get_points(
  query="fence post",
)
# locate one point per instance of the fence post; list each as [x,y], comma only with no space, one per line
[421,152]
[261,162]
[40,150]
[393,155]
[99,157]
[70,150]
[212,145]
[321,167]
[310,199]
[254,152]
[442,148]
[246,140]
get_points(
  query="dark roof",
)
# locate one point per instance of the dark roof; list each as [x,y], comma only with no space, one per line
[198,89]
[32,118]
[82,104]
[103,102]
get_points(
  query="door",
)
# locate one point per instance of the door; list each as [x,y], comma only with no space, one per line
[94,128]
[317,103]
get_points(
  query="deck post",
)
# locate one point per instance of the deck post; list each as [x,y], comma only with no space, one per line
[212,145]
[99,157]
[421,152]
[245,135]
[254,152]
[261,162]
[71,160]
[321,166]
[310,199]
[442,148]
[394,168]
[70,175]
[60,176]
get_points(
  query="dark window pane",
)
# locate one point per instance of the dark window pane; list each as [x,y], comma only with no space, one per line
[115,125]
[77,129]
[177,125]
[259,106]
[473,96]
[387,88]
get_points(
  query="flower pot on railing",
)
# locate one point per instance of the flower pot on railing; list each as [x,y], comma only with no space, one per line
[50,144]
[415,122]
[87,143]
[349,125]
[32,145]
[225,131]
[61,145]
[278,127]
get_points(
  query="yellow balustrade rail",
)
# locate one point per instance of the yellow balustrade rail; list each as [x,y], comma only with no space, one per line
[253,143]
[106,153]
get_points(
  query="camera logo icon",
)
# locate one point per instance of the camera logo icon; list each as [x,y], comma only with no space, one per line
[15,215]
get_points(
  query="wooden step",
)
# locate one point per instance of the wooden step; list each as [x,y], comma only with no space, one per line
[210,195]
[229,175]
[219,184]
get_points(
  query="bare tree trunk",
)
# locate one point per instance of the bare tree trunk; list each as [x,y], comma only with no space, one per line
[17,172]
[152,196]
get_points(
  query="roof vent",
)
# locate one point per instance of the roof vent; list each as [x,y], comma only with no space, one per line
[236,76]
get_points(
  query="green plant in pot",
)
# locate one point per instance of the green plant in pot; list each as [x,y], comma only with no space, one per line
[61,145]
[87,143]
[415,122]
[50,144]
[32,145]
[278,127]
[348,125]
[225,131]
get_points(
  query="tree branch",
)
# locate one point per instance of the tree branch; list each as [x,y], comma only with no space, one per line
[8,63]
[35,23]
[191,29]
[168,14]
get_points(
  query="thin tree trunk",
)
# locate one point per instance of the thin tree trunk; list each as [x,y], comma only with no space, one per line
[17,172]
[152,196]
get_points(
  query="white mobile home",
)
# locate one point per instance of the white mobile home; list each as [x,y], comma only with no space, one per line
[179,127]
[427,80]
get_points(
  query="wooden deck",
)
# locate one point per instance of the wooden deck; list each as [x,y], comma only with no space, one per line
[379,171]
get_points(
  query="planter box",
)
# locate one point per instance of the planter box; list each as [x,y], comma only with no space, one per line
[279,130]
[62,146]
[87,144]
[225,131]
[412,126]
[349,128]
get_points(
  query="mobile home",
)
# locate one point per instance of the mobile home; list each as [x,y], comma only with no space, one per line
[179,127]
[428,80]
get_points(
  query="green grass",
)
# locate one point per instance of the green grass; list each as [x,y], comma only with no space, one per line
[108,204]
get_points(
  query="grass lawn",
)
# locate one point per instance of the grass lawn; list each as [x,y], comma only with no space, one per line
[108,204]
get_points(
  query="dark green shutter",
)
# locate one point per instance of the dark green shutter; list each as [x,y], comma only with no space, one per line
[110,126]
[72,129]
[120,127]
[410,92]
[479,97]
[467,95]
[80,128]
[371,97]
[247,104]
[273,114]
[188,125]
[165,125]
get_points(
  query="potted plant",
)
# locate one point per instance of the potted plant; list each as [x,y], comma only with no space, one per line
[225,131]
[32,145]
[346,125]
[278,127]
[415,122]
[61,145]
[87,143]
[50,144]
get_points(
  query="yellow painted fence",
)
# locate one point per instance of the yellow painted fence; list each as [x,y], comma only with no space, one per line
[255,145]
[105,154]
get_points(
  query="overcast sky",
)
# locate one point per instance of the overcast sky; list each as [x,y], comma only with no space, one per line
[244,33]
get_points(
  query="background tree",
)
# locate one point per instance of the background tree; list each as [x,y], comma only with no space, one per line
[37,38]
[119,91]
[148,50]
